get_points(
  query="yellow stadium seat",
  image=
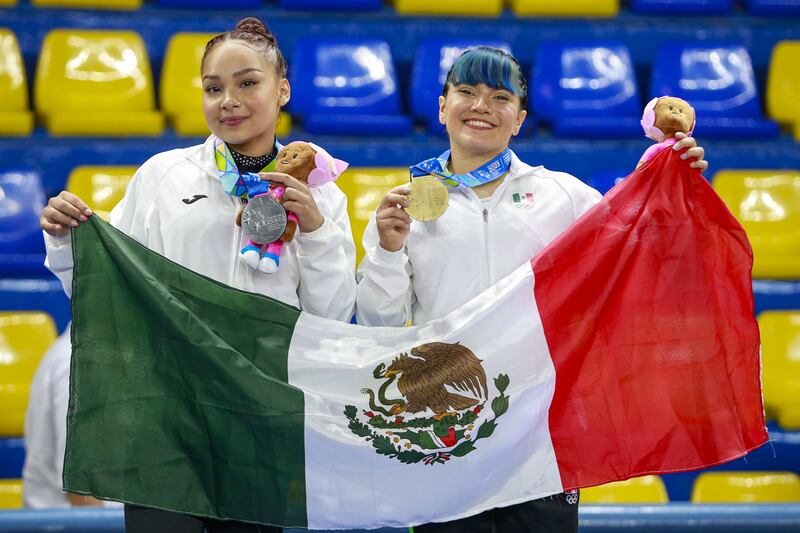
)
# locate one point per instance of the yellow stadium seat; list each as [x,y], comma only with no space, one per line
[645,489]
[94,82]
[10,494]
[94,4]
[101,187]
[565,8]
[15,117]
[780,363]
[783,84]
[767,203]
[24,338]
[365,187]
[466,8]
[8,2]
[181,87]
[746,487]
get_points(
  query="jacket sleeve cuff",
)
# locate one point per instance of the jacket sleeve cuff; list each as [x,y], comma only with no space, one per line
[387,257]
[322,233]
[57,242]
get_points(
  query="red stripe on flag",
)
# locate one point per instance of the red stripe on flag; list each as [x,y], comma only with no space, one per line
[647,306]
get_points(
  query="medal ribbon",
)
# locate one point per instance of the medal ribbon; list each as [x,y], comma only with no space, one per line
[245,185]
[489,171]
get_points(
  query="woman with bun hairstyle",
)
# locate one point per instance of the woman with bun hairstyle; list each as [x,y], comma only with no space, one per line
[501,213]
[181,204]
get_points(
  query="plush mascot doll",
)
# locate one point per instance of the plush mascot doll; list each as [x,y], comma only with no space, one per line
[663,117]
[308,163]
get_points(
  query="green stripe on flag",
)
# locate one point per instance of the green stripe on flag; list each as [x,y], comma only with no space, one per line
[179,397]
[516,198]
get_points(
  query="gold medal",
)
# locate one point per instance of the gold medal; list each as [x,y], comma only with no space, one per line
[428,199]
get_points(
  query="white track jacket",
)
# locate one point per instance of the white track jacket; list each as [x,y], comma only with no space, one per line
[175,206]
[448,261]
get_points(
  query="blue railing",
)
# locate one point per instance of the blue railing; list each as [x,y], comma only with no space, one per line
[593,518]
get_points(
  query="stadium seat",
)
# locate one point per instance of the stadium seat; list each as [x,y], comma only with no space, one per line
[36,295]
[15,117]
[465,8]
[682,7]
[101,187]
[209,4]
[8,2]
[181,89]
[432,62]
[94,82]
[746,487]
[365,187]
[12,457]
[338,5]
[767,204]
[10,494]
[347,86]
[21,244]
[783,84]
[24,338]
[780,365]
[717,80]
[565,8]
[586,89]
[774,8]
[645,489]
[94,4]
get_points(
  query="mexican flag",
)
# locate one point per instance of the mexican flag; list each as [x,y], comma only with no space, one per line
[627,347]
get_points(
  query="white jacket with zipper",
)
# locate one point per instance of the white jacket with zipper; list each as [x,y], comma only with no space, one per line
[447,262]
[175,206]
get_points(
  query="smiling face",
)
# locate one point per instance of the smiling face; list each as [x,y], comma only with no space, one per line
[673,115]
[242,97]
[480,120]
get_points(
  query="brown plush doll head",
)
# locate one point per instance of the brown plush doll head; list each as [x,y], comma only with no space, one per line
[296,159]
[667,115]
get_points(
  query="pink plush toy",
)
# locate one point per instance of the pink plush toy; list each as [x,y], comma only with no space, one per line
[663,117]
[308,163]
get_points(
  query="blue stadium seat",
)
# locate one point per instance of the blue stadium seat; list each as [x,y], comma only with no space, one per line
[432,62]
[587,89]
[209,4]
[21,244]
[338,5]
[346,86]
[774,8]
[12,457]
[717,80]
[682,7]
[604,180]
[36,295]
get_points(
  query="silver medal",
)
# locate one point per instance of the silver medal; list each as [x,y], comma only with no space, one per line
[263,219]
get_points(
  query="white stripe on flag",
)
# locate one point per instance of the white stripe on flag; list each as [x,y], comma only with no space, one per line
[350,485]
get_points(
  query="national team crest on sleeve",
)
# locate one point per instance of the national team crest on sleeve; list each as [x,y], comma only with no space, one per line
[430,422]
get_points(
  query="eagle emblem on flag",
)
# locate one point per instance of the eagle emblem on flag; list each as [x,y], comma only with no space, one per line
[440,413]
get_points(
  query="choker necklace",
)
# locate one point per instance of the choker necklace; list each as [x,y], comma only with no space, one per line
[246,163]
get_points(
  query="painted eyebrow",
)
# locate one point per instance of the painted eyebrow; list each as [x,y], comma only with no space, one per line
[235,74]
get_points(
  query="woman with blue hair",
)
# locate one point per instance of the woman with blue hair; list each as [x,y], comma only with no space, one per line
[500,213]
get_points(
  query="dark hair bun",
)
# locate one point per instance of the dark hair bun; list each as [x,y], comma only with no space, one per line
[253,25]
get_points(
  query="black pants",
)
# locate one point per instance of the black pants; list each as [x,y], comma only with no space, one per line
[553,514]
[147,520]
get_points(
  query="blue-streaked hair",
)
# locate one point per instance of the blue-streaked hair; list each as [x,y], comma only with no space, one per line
[490,66]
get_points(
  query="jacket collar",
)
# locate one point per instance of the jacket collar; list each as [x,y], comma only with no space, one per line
[202,156]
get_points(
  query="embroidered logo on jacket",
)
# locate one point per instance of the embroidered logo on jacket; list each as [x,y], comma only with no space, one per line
[194,198]
[523,200]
